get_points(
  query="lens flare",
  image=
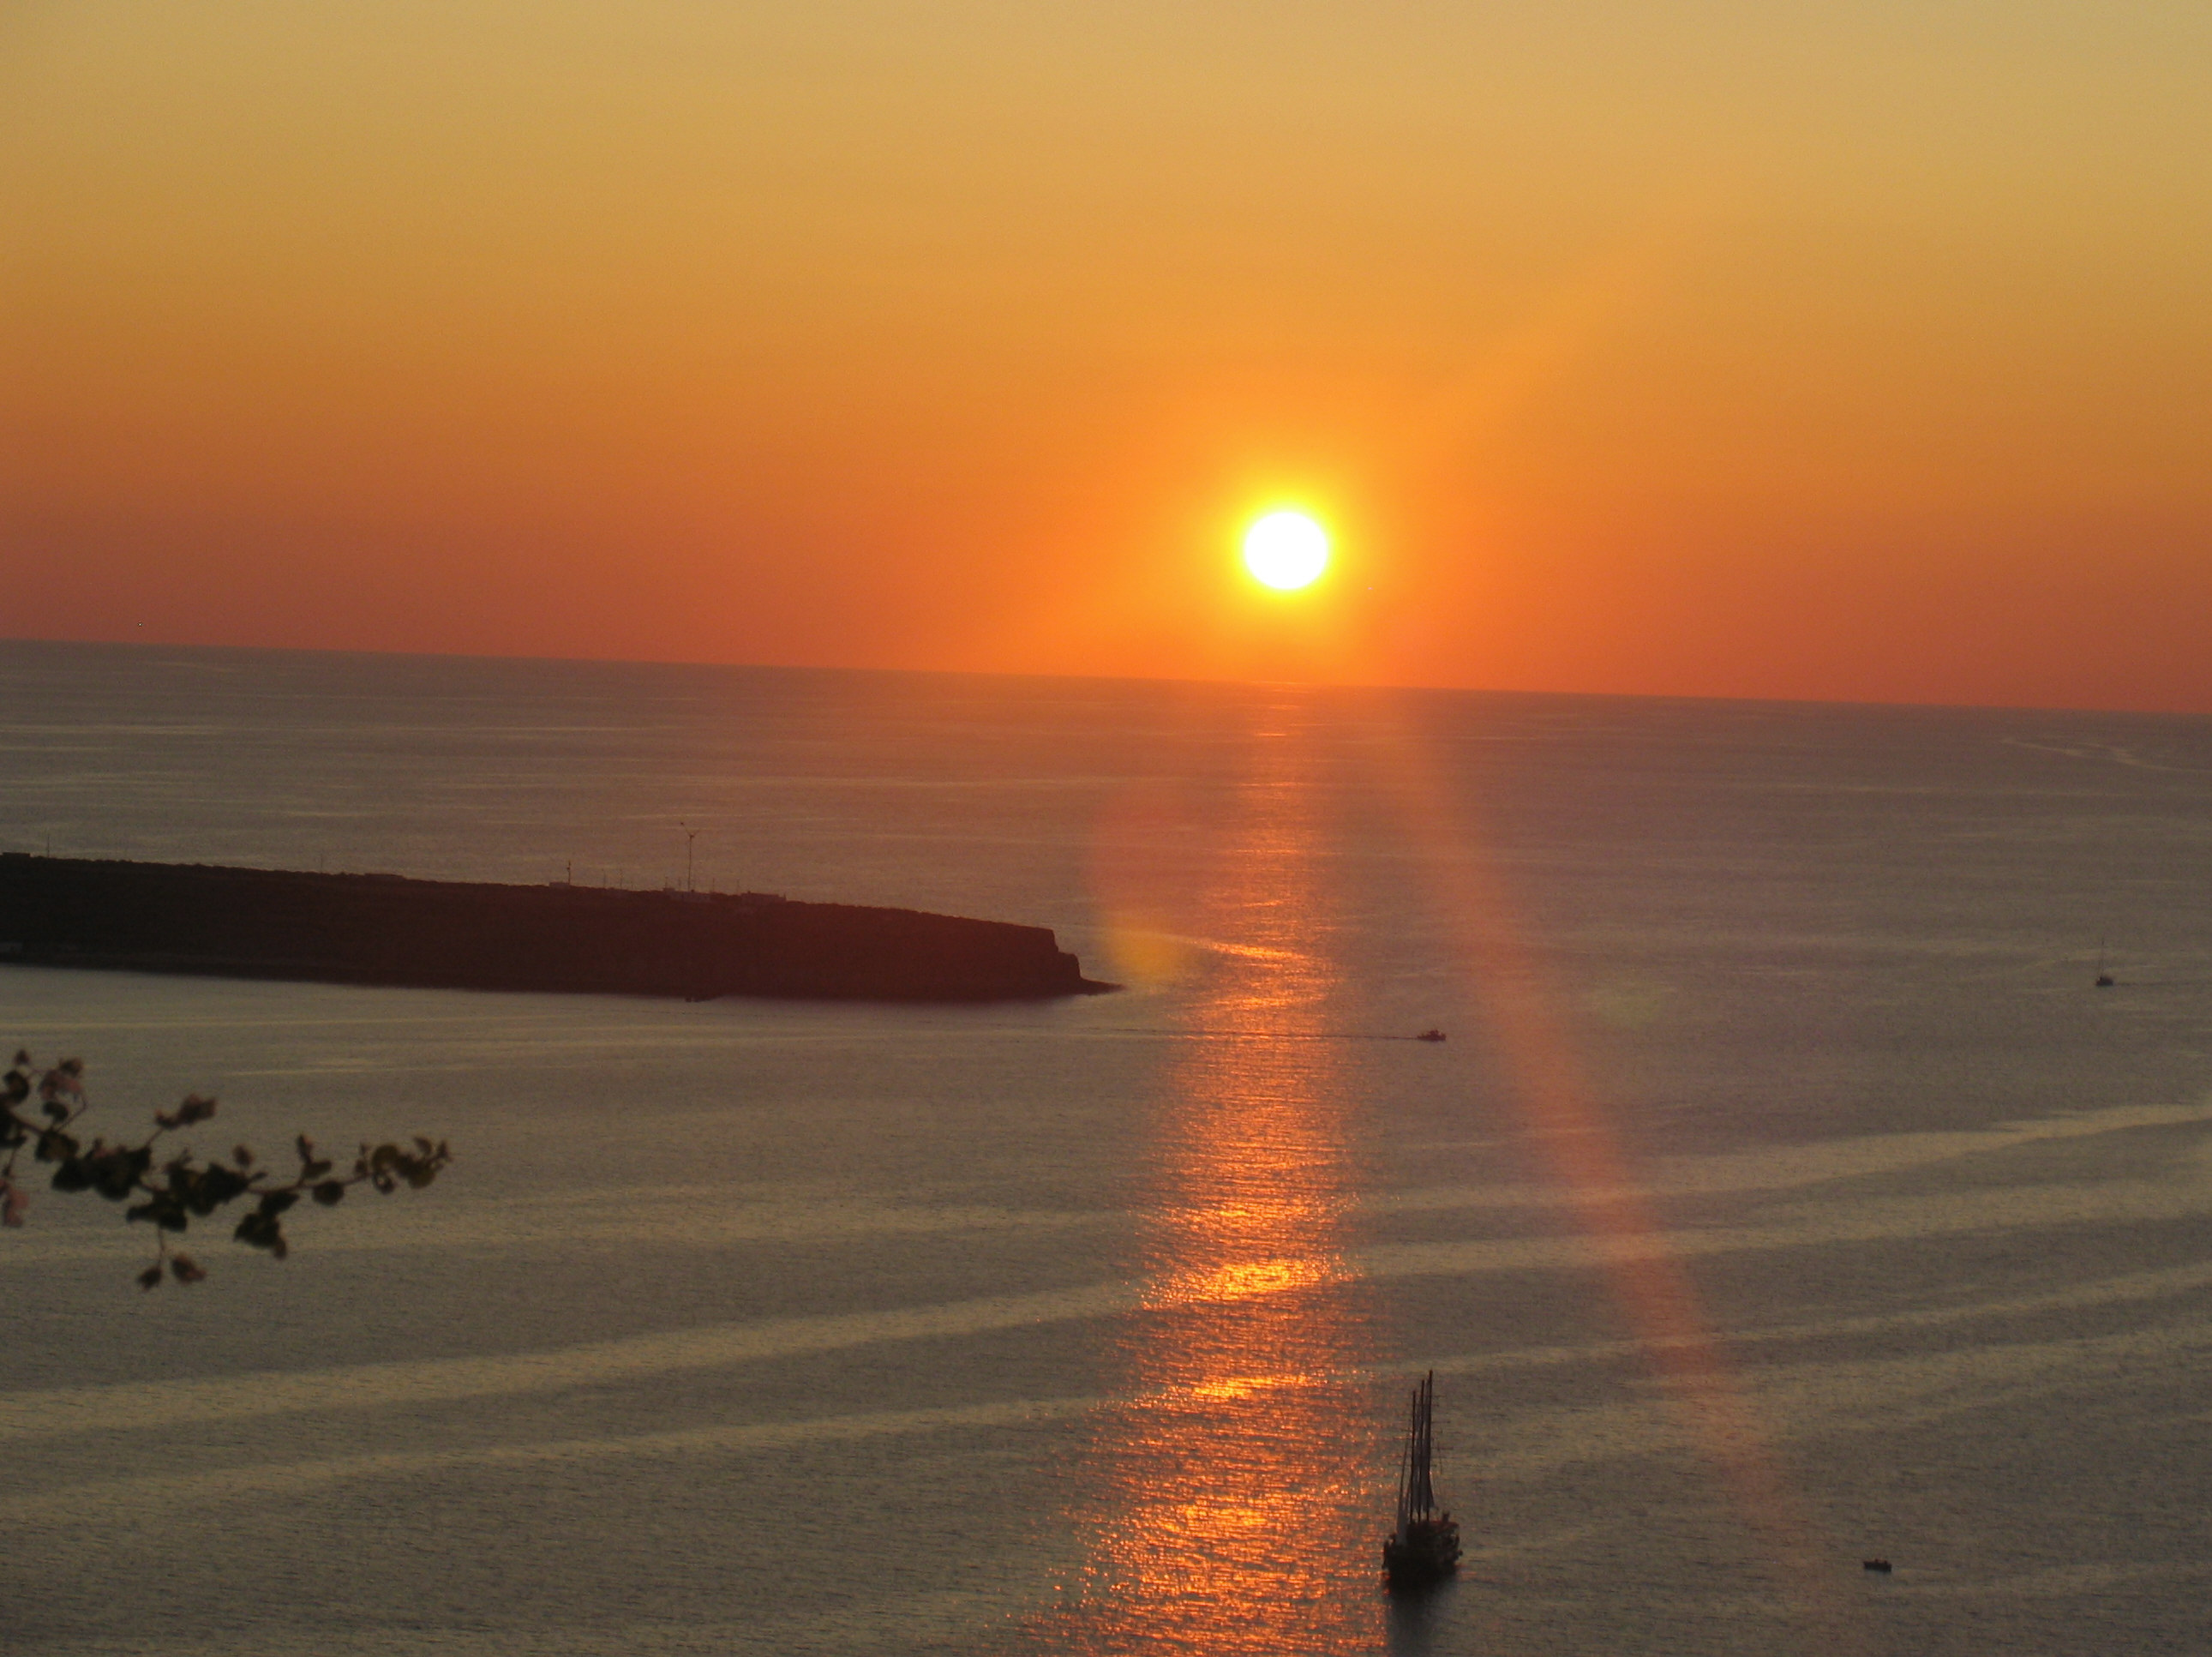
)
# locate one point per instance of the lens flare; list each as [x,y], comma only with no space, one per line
[1286,550]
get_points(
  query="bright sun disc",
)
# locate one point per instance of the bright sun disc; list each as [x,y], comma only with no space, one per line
[1286,550]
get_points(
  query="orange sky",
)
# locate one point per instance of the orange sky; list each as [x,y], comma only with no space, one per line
[1694,348]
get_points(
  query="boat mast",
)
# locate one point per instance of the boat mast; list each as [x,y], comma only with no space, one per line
[1406,1473]
[1417,1498]
[1422,1496]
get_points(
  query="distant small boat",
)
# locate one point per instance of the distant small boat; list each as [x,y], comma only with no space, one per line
[1430,1034]
[2103,978]
[1882,1565]
[1424,1548]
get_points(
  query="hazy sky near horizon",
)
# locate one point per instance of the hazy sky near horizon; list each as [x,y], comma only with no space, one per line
[1716,348]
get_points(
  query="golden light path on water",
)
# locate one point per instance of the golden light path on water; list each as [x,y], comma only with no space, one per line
[1230,1517]
[1225,1507]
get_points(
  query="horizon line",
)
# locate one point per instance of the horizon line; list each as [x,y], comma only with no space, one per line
[526,657]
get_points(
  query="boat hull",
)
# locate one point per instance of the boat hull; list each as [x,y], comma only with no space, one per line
[1425,1555]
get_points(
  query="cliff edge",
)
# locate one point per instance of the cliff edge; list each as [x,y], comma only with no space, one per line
[389,929]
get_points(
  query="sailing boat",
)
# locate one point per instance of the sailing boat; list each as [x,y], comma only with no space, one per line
[1425,1547]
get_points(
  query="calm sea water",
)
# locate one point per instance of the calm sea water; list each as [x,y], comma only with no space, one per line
[1784,1196]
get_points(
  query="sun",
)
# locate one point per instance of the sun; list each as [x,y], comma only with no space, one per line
[1286,550]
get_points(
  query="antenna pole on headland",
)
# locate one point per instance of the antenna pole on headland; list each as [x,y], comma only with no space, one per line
[689,835]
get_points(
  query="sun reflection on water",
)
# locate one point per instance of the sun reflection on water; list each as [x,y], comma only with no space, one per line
[1225,1509]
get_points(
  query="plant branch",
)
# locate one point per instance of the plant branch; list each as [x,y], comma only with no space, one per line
[182,1189]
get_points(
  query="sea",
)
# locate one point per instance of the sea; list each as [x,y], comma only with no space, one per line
[1786,1195]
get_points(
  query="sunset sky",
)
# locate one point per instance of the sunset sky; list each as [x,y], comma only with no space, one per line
[1704,347]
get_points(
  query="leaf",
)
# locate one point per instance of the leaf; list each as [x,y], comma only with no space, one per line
[115,1172]
[215,1186]
[329,1193]
[163,1210]
[151,1277]
[185,1268]
[194,1109]
[242,1155]
[13,1201]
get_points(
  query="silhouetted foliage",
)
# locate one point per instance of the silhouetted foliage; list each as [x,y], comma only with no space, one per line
[43,1111]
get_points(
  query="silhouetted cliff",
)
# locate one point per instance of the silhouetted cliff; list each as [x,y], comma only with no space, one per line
[383,928]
